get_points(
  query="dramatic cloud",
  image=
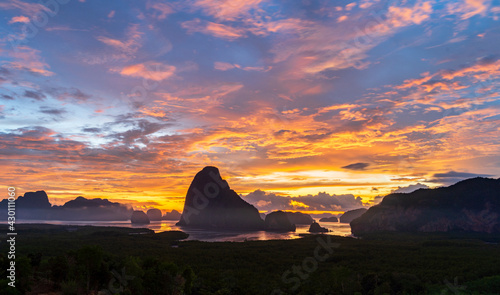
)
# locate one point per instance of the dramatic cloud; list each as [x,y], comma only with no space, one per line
[129,45]
[27,59]
[30,9]
[452,177]
[228,10]
[403,16]
[469,8]
[214,29]
[410,188]
[150,70]
[19,19]
[356,166]
[320,202]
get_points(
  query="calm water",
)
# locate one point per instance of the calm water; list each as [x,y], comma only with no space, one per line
[340,229]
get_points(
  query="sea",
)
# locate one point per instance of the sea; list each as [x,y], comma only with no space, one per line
[208,235]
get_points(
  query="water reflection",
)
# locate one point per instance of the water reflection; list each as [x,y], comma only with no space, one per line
[340,229]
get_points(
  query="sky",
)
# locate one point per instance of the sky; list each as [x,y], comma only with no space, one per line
[327,105]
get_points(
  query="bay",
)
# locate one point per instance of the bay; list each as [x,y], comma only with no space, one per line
[209,235]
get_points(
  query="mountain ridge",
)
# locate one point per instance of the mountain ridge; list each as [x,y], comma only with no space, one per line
[469,205]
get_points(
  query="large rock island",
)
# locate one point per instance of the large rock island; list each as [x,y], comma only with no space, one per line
[211,203]
[299,218]
[154,214]
[139,217]
[316,228]
[471,205]
[279,221]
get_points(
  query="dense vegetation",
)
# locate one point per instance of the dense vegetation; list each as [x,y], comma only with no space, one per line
[88,260]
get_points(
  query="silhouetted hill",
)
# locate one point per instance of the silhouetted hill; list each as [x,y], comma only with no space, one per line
[81,202]
[329,219]
[279,221]
[30,200]
[172,215]
[83,209]
[349,216]
[154,214]
[33,205]
[469,205]
[299,218]
[210,203]
[139,217]
[316,228]
[36,205]
[34,200]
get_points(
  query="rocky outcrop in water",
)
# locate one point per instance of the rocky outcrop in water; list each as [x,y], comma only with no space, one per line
[211,203]
[278,221]
[172,215]
[349,216]
[154,214]
[472,205]
[299,218]
[316,228]
[139,217]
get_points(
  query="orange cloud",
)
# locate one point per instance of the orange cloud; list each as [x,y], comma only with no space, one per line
[19,19]
[314,46]
[27,8]
[294,203]
[403,16]
[289,25]
[449,80]
[228,10]
[342,18]
[481,71]
[214,29]
[151,70]
[469,8]
[28,59]
[415,82]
